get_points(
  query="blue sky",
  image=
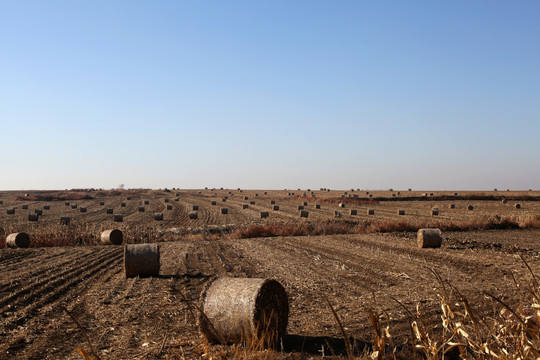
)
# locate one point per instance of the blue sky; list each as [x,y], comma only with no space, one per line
[270,94]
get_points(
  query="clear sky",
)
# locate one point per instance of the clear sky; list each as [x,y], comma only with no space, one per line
[270,94]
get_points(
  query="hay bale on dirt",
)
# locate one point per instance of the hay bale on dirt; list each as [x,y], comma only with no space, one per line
[18,240]
[169,207]
[110,210]
[300,207]
[341,205]
[371,212]
[177,199]
[118,218]
[25,207]
[33,217]
[305,203]
[1,202]
[195,207]
[38,212]
[178,194]
[83,209]
[10,211]
[65,220]
[239,309]
[141,260]
[214,202]
[246,198]
[275,208]
[455,194]
[401,212]
[141,209]
[272,202]
[337,213]
[224,211]
[193,215]
[266,193]
[158,216]
[128,198]
[102,203]
[435,212]
[353,212]
[264,214]
[317,206]
[517,206]
[452,206]
[46,207]
[504,201]
[470,207]
[224,200]
[252,202]
[245,206]
[429,238]
[112,237]
[123,204]
[256,194]
[146,202]
[304,213]
[166,200]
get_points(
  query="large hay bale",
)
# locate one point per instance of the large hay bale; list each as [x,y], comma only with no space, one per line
[112,237]
[275,207]
[65,220]
[240,309]
[353,212]
[193,215]
[435,212]
[401,212]
[33,217]
[429,238]
[371,212]
[245,206]
[141,260]
[118,218]
[110,211]
[158,216]
[224,211]
[264,214]
[73,206]
[10,211]
[517,206]
[18,240]
[304,213]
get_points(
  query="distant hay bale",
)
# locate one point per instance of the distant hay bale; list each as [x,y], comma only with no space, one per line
[110,210]
[123,204]
[435,212]
[504,201]
[452,206]
[409,189]
[177,199]
[455,194]
[38,211]
[224,211]
[470,207]
[158,216]
[370,195]
[141,209]
[305,203]
[252,202]
[33,217]
[224,200]
[65,220]
[264,214]
[300,207]
[256,194]
[195,207]
[337,213]
[1,202]
[353,212]
[266,193]
[102,203]
[18,240]
[304,213]
[246,197]
[430,194]
[393,195]
[73,206]
[275,208]
[112,237]
[83,209]
[429,238]
[371,212]
[495,189]
[245,206]
[272,202]
[10,211]
[25,207]
[141,260]
[193,215]
[128,198]
[169,207]
[401,212]
[341,205]
[46,207]
[235,310]
[517,206]
[118,218]
[146,202]
[317,206]
[178,194]
[214,202]
[166,200]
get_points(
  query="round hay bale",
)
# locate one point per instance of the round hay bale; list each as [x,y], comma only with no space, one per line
[141,208]
[455,194]
[141,260]
[272,202]
[166,200]
[304,213]
[169,207]
[401,212]
[83,209]
[470,207]
[353,212]
[305,203]
[33,217]
[265,193]
[245,206]
[178,194]
[158,216]
[317,206]
[177,199]
[214,202]
[517,206]
[300,207]
[38,211]
[128,198]
[504,201]
[73,206]
[65,220]
[371,212]
[275,208]
[193,215]
[110,210]
[224,211]
[112,237]
[240,309]
[429,238]
[435,212]
[67,203]
[10,211]
[256,194]
[123,204]
[252,202]
[102,203]
[430,194]
[224,200]
[341,205]
[46,207]
[264,214]
[25,207]
[370,195]
[18,240]
[452,206]
[146,202]
[246,198]
[337,213]
[118,218]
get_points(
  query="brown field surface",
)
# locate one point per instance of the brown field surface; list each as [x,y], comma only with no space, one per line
[366,264]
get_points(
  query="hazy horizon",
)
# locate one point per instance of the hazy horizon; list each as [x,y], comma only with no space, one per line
[270,95]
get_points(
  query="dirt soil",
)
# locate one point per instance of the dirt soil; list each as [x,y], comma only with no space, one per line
[146,318]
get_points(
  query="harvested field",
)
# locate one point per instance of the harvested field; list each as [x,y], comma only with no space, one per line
[147,318]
